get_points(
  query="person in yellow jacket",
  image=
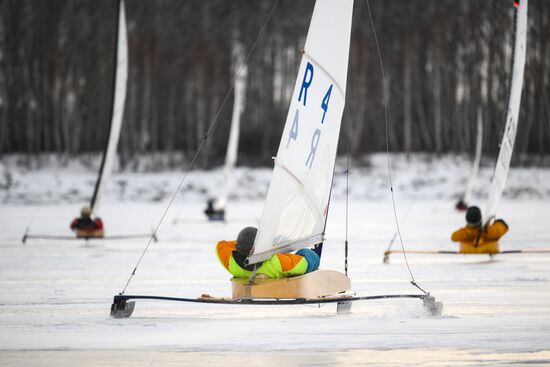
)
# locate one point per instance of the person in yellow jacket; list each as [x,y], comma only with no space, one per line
[475,239]
[232,255]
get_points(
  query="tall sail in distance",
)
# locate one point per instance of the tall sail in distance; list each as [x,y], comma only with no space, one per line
[467,198]
[297,201]
[240,73]
[119,96]
[507,145]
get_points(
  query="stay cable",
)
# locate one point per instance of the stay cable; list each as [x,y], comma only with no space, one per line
[203,141]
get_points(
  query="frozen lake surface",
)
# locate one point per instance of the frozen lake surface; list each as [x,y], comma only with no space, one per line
[55,295]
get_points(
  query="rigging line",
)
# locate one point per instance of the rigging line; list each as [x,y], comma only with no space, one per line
[210,128]
[404,218]
[413,282]
[319,247]
[347,221]
[346,246]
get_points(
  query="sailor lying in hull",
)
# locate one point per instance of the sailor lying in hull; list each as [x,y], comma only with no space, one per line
[477,240]
[85,226]
[232,255]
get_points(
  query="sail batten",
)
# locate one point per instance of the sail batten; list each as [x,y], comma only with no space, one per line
[296,206]
[310,201]
[338,86]
[507,146]
[119,96]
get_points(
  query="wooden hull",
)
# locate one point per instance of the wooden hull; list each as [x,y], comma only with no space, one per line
[90,233]
[489,248]
[317,284]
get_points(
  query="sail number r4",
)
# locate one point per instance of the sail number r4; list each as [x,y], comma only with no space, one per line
[302,97]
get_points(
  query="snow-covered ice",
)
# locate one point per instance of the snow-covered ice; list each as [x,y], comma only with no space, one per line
[55,296]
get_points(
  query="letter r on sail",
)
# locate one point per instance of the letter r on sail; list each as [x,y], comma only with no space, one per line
[306,82]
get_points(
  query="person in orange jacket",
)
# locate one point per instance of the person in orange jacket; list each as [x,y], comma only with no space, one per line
[85,226]
[232,255]
[475,239]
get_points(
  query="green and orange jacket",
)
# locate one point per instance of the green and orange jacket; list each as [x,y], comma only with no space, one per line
[478,240]
[278,266]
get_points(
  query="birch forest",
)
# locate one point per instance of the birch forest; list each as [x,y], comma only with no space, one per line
[443,60]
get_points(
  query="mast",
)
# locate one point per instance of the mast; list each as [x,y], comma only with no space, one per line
[240,73]
[507,145]
[297,201]
[120,77]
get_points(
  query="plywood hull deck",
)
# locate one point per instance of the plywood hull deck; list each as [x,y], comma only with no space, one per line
[317,284]
[90,233]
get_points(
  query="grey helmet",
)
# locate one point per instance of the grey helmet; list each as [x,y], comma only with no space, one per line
[473,216]
[245,240]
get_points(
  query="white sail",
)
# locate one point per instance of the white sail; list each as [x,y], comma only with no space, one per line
[240,73]
[298,197]
[507,145]
[477,158]
[120,81]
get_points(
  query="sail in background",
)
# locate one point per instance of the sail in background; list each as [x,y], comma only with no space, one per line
[240,73]
[297,201]
[507,145]
[120,79]
[467,199]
